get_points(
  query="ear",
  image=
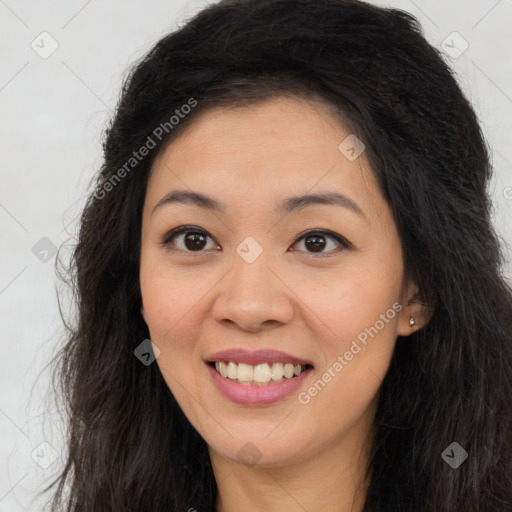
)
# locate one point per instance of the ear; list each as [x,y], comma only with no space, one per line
[415,314]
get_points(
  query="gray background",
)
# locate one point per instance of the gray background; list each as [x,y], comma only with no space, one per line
[54,111]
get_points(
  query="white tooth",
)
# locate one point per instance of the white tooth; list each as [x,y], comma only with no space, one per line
[217,367]
[288,370]
[232,370]
[277,371]
[297,369]
[262,373]
[245,372]
[223,368]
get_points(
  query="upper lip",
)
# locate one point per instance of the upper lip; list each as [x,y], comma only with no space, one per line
[240,355]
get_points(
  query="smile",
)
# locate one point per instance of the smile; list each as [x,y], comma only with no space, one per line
[260,374]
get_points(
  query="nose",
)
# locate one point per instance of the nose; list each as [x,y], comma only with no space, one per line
[253,296]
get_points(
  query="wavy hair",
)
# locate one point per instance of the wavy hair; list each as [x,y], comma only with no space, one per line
[129,445]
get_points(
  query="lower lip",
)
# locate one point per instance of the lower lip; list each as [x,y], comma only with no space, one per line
[245,394]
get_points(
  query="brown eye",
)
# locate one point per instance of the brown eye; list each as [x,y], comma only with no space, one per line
[188,239]
[317,241]
[194,241]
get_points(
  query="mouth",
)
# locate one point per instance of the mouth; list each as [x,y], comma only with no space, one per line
[262,374]
[257,378]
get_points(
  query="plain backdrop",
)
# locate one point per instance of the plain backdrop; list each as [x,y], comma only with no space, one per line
[62,64]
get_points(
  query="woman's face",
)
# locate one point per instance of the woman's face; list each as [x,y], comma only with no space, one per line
[318,281]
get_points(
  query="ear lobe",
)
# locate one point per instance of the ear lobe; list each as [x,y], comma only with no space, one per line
[415,314]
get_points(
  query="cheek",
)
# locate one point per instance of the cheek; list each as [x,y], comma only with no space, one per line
[169,307]
[174,309]
[359,311]
[355,360]
[353,299]
[168,297]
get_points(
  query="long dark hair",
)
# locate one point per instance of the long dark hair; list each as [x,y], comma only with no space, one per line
[130,447]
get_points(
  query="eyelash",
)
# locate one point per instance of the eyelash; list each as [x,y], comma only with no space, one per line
[345,244]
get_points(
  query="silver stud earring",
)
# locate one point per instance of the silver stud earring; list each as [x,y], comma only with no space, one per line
[412,321]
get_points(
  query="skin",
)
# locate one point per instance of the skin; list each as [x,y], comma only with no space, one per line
[313,455]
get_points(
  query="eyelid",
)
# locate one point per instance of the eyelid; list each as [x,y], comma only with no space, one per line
[320,231]
[184,229]
[345,244]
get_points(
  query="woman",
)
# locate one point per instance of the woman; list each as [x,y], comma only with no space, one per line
[289,288]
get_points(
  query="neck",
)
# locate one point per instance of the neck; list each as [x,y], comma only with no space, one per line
[333,480]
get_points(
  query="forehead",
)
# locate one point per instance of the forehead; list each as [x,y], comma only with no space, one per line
[262,151]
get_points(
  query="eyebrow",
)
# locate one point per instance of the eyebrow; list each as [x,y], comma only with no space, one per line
[291,204]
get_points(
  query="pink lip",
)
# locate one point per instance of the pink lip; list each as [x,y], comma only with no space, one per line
[238,355]
[245,394]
